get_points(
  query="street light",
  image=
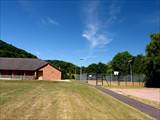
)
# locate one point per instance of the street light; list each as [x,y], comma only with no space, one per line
[81,69]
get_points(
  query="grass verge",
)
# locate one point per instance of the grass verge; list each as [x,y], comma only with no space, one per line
[60,101]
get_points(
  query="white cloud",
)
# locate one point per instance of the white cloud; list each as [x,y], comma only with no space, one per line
[95,30]
[49,20]
[114,10]
[90,57]
[95,38]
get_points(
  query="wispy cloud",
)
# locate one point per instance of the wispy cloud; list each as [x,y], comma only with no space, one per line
[113,12]
[95,37]
[95,29]
[49,20]
[31,8]
[89,57]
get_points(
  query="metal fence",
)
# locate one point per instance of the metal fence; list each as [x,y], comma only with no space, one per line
[110,79]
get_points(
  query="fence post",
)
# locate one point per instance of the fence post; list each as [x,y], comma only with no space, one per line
[96,80]
[139,79]
[102,80]
[132,81]
[110,79]
[118,80]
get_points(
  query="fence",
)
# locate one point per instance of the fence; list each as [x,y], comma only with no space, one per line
[135,79]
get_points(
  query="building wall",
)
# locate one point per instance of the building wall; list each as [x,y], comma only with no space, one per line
[50,73]
[16,75]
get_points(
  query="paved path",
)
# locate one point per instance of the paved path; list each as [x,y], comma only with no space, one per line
[153,112]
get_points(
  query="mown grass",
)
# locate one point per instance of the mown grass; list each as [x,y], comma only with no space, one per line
[46,100]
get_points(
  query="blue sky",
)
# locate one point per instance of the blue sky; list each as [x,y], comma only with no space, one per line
[70,30]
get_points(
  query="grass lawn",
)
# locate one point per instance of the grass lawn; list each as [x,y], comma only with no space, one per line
[21,100]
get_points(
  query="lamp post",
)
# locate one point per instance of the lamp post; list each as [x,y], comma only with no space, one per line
[81,70]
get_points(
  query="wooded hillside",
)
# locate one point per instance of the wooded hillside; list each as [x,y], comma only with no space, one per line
[8,50]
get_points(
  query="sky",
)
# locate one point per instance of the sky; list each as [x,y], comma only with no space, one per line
[79,31]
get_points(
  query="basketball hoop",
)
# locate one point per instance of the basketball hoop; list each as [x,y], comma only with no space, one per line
[116,72]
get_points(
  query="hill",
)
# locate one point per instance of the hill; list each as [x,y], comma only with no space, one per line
[8,50]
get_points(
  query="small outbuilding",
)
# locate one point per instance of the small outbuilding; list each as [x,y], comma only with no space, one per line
[27,69]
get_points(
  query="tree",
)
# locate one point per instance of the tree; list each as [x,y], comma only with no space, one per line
[7,50]
[139,64]
[120,62]
[109,68]
[99,68]
[153,61]
[92,68]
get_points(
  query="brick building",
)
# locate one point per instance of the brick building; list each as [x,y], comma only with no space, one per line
[27,69]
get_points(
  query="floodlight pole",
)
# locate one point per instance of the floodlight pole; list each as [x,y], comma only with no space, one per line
[81,70]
